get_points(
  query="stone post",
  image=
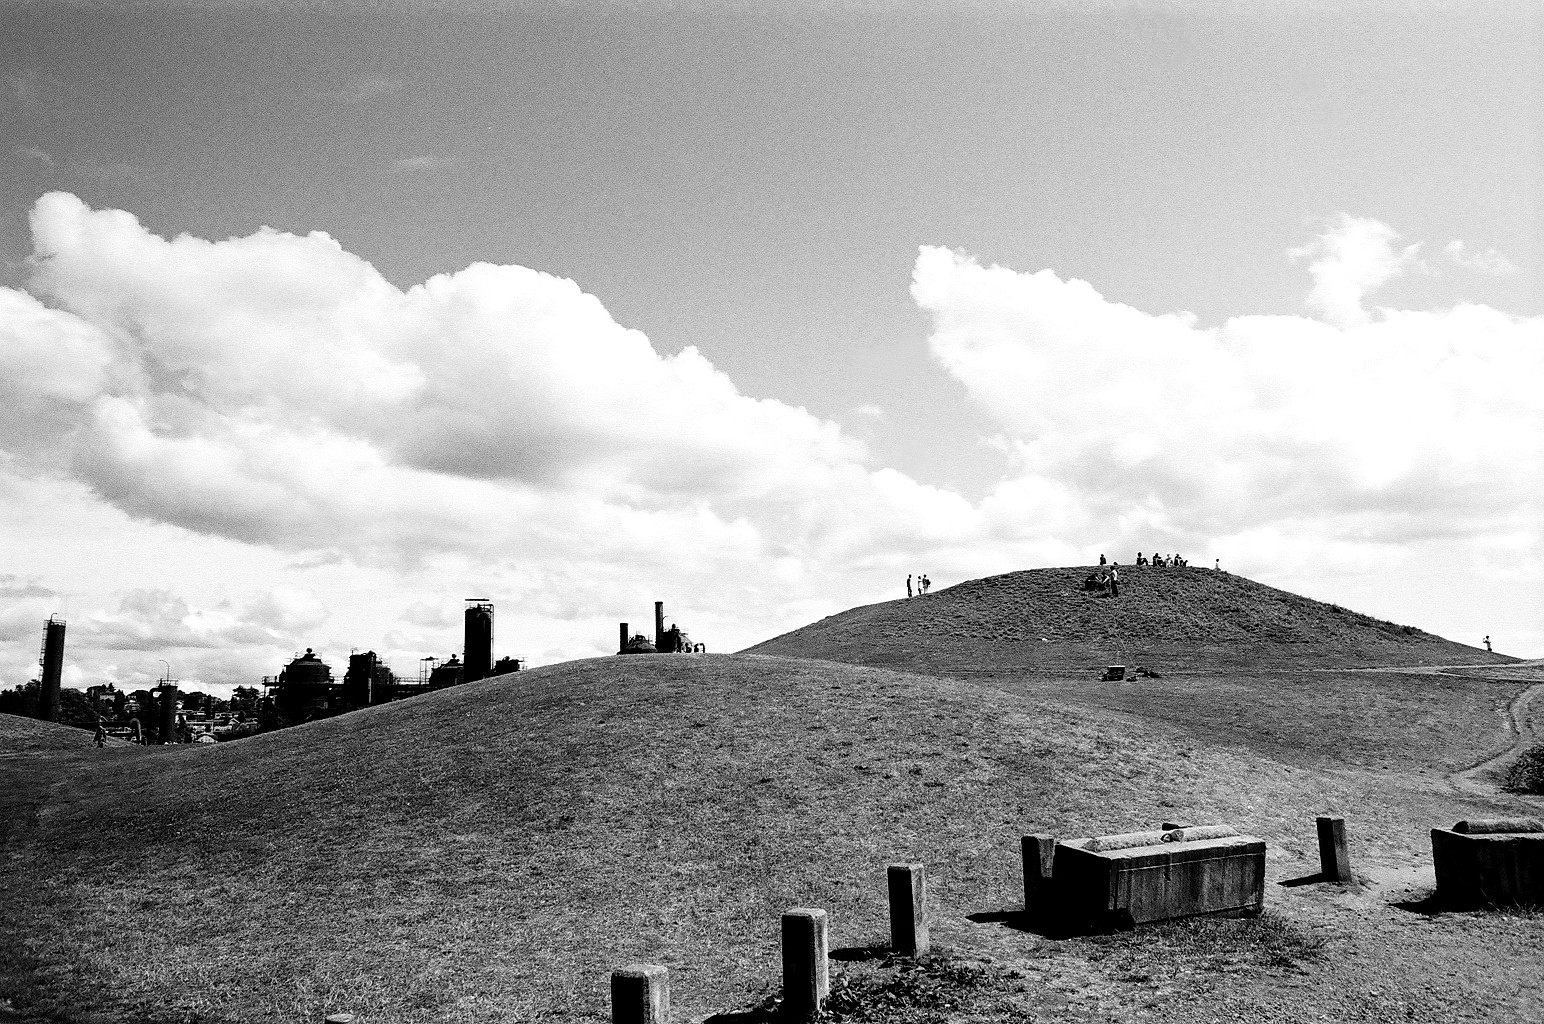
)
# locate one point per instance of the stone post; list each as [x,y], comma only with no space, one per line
[640,994]
[622,638]
[908,908]
[1334,861]
[806,973]
[1039,855]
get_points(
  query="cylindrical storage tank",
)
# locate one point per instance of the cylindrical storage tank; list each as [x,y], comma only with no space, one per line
[359,681]
[53,667]
[168,713]
[477,656]
[659,625]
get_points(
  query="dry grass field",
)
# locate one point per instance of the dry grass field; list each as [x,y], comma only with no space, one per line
[490,852]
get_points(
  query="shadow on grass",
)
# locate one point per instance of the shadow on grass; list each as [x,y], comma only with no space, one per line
[1045,926]
[853,954]
[1432,904]
[1427,906]
[1313,879]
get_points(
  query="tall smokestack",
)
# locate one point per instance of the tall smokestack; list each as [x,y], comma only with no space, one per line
[622,638]
[659,625]
[169,713]
[53,667]
[477,654]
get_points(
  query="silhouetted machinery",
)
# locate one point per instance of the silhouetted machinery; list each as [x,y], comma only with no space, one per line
[304,688]
[52,661]
[477,654]
[666,641]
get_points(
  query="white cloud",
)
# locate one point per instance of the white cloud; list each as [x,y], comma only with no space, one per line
[1488,262]
[1412,429]
[1354,256]
[277,391]
[495,431]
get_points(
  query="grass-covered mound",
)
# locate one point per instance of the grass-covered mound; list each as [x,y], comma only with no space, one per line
[493,850]
[1042,620]
[19,735]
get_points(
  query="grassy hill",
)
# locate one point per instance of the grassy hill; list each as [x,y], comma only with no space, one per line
[1168,619]
[491,851]
[18,735]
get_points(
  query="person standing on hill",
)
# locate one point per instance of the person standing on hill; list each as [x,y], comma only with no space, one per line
[1101,559]
[1487,643]
[908,584]
[927,584]
[1114,582]
[101,733]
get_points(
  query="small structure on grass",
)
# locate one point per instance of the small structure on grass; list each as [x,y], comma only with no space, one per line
[1490,862]
[1138,877]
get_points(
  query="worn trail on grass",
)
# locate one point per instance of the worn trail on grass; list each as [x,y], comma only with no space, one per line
[1524,719]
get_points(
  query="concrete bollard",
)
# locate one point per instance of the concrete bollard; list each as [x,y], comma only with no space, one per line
[1039,856]
[908,908]
[1334,861]
[806,973]
[640,994]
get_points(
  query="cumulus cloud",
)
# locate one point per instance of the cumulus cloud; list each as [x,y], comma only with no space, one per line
[1488,261]
[1351,258]
[1407,427]
[497,427]
[24,606]
[276,390]
[157,619]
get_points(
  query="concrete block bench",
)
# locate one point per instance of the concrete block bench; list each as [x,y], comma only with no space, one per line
[1490,862]
[1137,877]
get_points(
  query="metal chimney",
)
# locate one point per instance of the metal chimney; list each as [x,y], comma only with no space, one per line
[659,625]
[53,666]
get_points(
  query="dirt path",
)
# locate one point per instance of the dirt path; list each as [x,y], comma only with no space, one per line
[1524,720]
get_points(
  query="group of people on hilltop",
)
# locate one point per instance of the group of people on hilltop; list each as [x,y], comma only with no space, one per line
[923,585]
[1173,561]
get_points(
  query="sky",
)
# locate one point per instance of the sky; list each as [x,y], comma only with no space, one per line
[317,320]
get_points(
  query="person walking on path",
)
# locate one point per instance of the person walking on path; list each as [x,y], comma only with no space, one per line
[908,584]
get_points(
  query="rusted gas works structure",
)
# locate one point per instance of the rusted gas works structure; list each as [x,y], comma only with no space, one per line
[51,658]
[477,650]
[666,641]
